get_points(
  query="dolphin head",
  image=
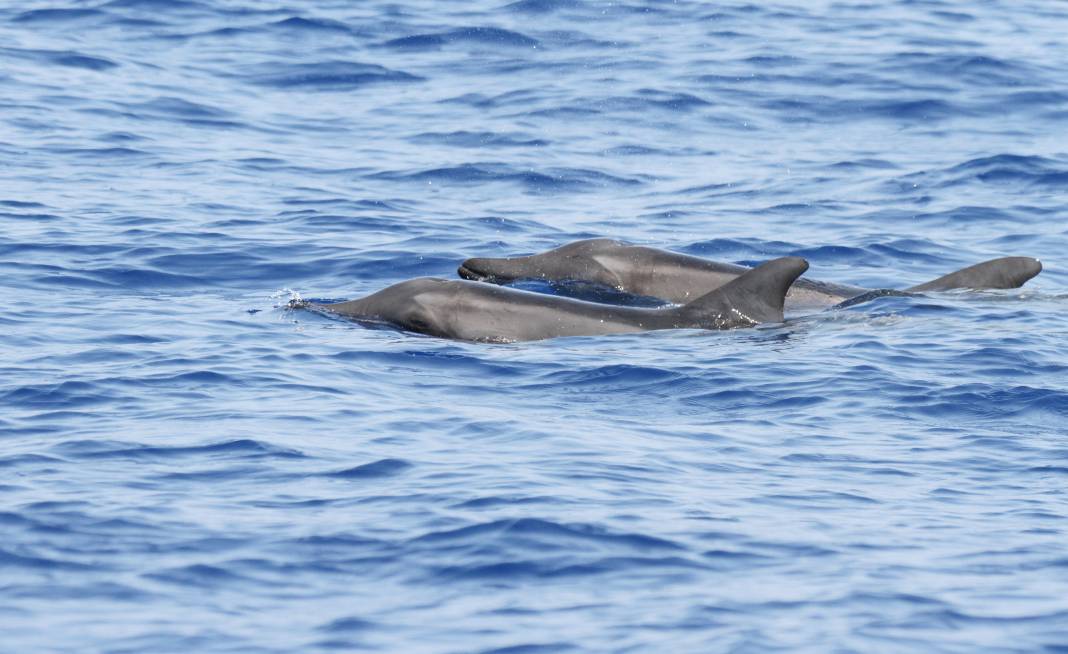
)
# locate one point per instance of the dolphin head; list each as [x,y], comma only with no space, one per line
[419,305]
[1021,269]
[498,271]
[1006,272]
[576,260]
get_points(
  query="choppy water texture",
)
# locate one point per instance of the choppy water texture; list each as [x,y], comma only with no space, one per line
[189,466]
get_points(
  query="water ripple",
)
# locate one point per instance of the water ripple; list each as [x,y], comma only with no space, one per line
[473,35]
[190,465]
[336,76]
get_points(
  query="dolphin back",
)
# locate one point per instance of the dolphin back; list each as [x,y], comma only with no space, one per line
[752,298]
[1006,272]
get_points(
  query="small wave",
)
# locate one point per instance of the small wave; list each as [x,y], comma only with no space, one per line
[102,153]
[614,378]
[863,164]
[57,15]
[1051,470]
[926,109]
[170,110]
[428,360]
[556,569]
[466,139]
[163,6]
[1007,170]
[1031,100]
[476,35]
[12,560]
[68,395]
[416,42]
[548,180]
[828,500]
[21,460]
[19,204]
[374,470]
[241,448]
[129,339]
[483,101]
[977,70]
[1013,168]
[836,253]
[75,60]
[347,624]
[314,25]
[121,137]
[218,475]
[543,6]
[66,58]
[531,532]
[954,16]
[144,278]
[327,76]
[735,397]
[894,256]
[734,249]
[497,501]
[646,99]
[982,401]
[730,560]
[219,266]
[170,106]
[634,150]
[201,575]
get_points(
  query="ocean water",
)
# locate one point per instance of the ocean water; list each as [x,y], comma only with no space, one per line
[188,465]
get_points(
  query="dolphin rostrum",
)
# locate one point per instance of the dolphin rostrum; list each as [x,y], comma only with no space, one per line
[679,278]
[483,312]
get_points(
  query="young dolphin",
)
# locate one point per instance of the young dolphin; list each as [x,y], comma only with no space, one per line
[678,278]
[482,312]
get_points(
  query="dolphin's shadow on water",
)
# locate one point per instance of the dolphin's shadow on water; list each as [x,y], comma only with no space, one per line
[588,292]
[592,292]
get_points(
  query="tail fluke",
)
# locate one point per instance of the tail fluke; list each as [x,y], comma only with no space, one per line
[1006,272]
[753,298]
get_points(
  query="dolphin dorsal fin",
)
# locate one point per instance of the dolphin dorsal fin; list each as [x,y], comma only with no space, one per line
[754,297]
[1006,272]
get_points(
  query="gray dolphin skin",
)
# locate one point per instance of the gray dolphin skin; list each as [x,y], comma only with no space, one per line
[470,311]
[679,278]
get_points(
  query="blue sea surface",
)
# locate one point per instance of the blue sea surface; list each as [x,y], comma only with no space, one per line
[187,465]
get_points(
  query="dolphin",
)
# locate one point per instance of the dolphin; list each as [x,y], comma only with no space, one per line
[469,311]
[679,278]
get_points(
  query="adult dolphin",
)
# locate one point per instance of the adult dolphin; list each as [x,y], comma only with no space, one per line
[483,312]
[678,278]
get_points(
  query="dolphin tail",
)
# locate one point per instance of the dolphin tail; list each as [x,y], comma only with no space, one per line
[1006,272]
[754,297]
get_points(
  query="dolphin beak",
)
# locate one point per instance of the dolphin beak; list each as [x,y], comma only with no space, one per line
[466,271]
[1035,268]
[1026,268]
